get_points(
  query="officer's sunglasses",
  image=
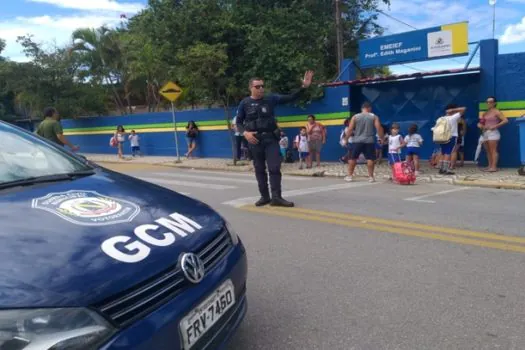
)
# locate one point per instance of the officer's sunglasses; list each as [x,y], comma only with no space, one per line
[259,87]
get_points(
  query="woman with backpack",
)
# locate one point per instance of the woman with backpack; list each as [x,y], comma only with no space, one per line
[489,123]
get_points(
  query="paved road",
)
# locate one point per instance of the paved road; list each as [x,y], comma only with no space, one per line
[372,266]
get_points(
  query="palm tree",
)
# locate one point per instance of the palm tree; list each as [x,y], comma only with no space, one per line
[101,55]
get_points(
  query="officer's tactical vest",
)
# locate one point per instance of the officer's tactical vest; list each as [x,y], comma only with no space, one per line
[259,115]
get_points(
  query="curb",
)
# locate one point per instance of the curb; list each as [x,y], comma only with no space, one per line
[322,173]
[490,184]
[231,168]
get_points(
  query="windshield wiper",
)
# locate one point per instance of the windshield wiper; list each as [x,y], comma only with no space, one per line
[46,178]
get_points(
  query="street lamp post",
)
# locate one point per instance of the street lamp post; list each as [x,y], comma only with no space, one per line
[493,4]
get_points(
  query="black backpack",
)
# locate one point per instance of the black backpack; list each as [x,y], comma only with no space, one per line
[289,156]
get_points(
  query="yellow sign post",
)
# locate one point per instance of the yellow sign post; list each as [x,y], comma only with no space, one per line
[172,92]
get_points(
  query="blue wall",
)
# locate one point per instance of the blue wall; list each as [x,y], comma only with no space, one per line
[148,118]
[419,100]
[422,101]
[510,81]
[510,86]
[211,143]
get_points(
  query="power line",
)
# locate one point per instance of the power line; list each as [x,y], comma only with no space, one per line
[395,19]
[414,68]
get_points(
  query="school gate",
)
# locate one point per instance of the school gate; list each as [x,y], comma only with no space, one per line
[421,100]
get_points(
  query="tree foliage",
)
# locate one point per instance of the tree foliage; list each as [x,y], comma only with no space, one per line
[209,47]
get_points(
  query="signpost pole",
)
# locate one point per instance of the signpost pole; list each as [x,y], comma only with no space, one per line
[175,132]
[172,92]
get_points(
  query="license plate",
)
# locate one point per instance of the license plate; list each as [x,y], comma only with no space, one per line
[206,314]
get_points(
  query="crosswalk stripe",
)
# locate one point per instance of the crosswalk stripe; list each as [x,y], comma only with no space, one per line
[239,202]
[187,183]
[200,177]
[250,175]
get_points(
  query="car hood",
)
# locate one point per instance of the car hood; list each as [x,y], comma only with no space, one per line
[52,250]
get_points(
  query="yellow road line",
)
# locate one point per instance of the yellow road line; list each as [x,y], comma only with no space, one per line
[406,229]
[410,225]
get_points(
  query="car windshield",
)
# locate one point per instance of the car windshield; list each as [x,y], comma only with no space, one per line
[25,156]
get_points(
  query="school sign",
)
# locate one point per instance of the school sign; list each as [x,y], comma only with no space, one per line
[419,45]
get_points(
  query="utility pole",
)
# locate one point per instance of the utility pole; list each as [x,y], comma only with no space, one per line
[339,35]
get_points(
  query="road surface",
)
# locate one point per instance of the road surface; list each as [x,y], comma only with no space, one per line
[371,266]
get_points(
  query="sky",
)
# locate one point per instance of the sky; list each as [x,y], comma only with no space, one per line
[53,21]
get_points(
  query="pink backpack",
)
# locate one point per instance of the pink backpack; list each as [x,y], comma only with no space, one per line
[403,173]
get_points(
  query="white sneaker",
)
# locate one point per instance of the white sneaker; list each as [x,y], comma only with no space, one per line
[349,179]
[371,179]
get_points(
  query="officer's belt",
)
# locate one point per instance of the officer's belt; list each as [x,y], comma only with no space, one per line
[265,134]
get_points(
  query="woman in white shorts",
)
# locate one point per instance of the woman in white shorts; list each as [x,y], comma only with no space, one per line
[490,122]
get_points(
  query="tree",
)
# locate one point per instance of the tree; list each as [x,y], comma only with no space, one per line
[100,55]
[2,48]
[146,68]
[203,71]
[49,78]
[212,48]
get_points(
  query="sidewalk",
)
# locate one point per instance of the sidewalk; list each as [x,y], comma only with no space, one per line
[469,175]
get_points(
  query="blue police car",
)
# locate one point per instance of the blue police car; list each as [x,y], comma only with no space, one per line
[93,259]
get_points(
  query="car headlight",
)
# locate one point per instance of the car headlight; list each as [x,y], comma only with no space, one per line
[233,234]
[52,329]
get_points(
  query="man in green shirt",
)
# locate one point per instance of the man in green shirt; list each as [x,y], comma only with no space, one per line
[51,129]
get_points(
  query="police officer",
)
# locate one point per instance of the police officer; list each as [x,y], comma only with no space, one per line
[257,123]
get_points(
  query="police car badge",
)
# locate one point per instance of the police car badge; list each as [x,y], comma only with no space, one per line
[87,208]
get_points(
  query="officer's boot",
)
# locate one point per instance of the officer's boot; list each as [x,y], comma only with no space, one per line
[263,201]
[265,198]
[279,201]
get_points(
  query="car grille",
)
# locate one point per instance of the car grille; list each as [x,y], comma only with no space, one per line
[142,299]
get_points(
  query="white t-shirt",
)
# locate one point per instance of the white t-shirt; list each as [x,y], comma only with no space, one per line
[302,142]
[414,140]
[134,139]
[394,143]
[234,126]
[341,138]
[453,122]
[283,142]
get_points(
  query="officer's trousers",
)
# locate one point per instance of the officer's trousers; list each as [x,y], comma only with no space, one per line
[267,151]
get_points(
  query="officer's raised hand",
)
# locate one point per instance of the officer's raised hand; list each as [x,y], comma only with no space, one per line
[307,80]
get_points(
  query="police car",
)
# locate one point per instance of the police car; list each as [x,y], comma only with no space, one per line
[93,259]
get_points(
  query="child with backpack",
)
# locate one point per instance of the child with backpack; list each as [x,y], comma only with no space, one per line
[283,145]
[301,144]
[402,172]
[413,142]
[346,142]
[395,143]
[445,133]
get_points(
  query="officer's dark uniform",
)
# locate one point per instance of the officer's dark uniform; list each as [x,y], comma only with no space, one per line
[258,115]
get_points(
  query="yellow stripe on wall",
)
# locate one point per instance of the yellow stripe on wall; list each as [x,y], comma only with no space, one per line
[513,113]
[336,122]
